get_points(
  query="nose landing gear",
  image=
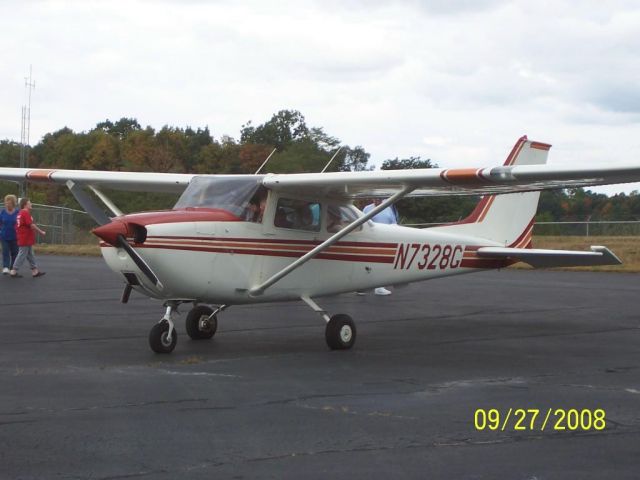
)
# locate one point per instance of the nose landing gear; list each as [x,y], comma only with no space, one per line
[201,324]
[163,336]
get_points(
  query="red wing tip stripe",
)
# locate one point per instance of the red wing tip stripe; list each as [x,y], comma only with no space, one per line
[40,175]
[462,176]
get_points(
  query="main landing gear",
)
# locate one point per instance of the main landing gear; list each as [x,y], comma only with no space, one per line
[340,332]
[201,324]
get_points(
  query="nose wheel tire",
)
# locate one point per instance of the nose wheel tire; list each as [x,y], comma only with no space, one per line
[159,340]
[198,324]
[340,332]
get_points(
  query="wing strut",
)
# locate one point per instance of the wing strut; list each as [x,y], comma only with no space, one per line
[259,290]
[87,203]
[107,201]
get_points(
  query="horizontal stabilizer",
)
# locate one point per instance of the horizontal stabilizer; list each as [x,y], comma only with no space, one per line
[539,258]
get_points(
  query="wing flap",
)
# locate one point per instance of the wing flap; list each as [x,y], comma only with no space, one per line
[541,258]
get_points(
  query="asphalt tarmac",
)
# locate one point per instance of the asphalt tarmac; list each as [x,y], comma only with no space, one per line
[83,396]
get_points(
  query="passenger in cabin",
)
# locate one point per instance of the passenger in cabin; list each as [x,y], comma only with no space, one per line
[334,220]
[305,217]
[281,219]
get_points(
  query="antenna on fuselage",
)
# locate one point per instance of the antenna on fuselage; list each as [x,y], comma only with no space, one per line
[265,162]
[332,158]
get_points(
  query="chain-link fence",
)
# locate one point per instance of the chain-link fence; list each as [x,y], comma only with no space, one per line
[588,229]
[69,226]
[63,225]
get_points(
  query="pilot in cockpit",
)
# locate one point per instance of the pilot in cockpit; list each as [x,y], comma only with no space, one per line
[256,206]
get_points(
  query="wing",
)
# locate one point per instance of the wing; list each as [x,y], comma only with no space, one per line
[434,182]
[132,181]
[523,171]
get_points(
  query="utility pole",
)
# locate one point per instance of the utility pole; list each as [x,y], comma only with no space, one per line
[29,84]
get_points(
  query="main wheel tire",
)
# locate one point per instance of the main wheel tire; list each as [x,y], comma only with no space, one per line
[340,332]
[198,325]
[158,338]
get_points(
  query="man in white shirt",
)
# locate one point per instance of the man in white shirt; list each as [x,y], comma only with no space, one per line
[388,216]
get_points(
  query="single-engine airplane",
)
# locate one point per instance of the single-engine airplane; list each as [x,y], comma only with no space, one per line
[238,239]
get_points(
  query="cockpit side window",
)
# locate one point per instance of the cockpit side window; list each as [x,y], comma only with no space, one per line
[297,215]
[338,217]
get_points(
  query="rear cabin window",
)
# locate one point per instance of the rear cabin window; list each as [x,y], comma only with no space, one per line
[297,215]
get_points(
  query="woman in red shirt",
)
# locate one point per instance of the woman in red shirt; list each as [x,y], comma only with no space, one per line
[26,233]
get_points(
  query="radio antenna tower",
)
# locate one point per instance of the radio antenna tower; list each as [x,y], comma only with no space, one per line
[29,84]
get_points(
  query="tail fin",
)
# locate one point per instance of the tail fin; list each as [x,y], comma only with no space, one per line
[507,219]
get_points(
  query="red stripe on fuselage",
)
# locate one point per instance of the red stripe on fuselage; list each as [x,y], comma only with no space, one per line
[273,253]
[271,240]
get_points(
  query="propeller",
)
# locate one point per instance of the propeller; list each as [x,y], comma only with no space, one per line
[115,233]
[139,261]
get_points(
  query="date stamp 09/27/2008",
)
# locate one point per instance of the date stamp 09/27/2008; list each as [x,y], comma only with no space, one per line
[534,419]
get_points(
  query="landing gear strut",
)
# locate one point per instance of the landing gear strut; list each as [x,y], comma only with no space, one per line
[340,332]
[202,321]
[163,336]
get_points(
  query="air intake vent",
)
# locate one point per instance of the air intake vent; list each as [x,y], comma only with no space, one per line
[132,279]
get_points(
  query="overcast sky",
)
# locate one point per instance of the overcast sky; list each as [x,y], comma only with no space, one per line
[454,81]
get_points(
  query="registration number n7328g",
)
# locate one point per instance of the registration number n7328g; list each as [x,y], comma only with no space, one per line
[427,256]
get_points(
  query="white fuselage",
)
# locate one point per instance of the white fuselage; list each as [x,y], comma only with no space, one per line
[219,262]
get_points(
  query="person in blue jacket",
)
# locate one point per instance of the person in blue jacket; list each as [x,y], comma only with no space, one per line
[8,217]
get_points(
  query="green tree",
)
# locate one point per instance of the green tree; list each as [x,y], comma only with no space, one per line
[280,131]
[121,128]
[104,153]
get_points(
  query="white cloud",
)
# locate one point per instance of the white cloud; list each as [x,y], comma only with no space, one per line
[457,82]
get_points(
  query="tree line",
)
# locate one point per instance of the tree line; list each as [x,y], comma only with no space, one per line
[125,145]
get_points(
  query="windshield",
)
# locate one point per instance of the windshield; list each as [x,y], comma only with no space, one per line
[230,193]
